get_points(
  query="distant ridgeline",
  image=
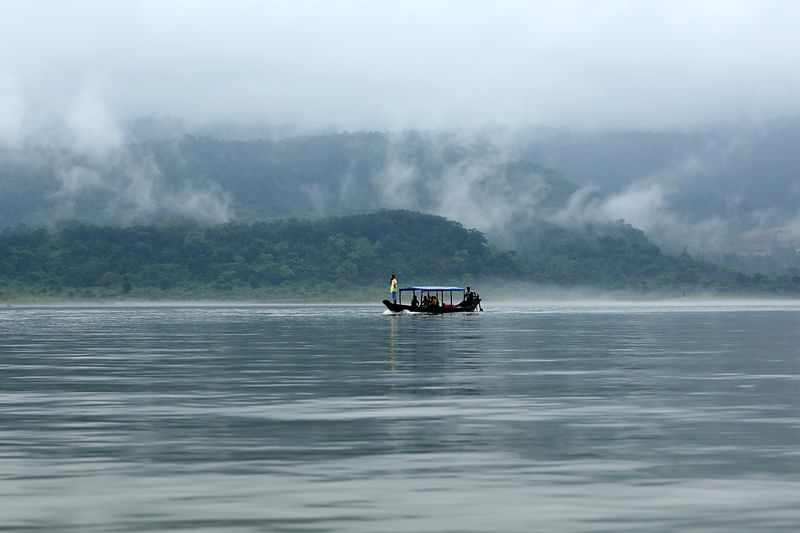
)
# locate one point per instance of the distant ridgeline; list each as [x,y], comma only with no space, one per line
[347,257]
[719,183]
[213,180]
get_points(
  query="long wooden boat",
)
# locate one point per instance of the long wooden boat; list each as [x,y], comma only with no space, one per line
[467,301]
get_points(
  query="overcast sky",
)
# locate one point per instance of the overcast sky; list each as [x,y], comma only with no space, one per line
[351,64]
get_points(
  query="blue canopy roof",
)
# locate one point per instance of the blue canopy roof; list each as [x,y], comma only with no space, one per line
[432,288]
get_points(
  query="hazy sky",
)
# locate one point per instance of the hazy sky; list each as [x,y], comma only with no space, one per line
[352,64]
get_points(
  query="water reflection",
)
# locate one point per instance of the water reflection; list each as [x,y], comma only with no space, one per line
[393,326]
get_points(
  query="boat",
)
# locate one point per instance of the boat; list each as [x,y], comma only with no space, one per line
[469,302]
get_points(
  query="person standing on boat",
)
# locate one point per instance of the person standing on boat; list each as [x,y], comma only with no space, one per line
[393,282]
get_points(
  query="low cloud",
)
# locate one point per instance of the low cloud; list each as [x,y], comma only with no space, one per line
[208,205]
[466,178]
[397,183]
[703,200]
[358,64]
[647,206]
[117,185]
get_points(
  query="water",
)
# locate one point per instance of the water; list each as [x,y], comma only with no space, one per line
[571,417]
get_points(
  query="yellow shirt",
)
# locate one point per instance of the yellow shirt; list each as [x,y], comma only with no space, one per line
[394,285]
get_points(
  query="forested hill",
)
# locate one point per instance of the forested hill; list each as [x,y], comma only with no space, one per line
[726,195]
[290,258]
[347,257]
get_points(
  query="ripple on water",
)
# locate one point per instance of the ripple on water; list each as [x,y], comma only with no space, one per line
[570,416]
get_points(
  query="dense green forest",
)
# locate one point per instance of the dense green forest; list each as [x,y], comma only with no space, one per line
[302,259]
[339,258]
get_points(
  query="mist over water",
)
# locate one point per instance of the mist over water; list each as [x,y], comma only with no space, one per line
[552,416]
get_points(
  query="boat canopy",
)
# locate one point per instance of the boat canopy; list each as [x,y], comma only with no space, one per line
[434,288]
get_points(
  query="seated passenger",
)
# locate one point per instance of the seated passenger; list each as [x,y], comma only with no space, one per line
[414,301]
[425,301]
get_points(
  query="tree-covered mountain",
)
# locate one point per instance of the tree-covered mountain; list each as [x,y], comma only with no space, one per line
[729,190]
[348,257]
[727,195]
[299,258]
[216,180]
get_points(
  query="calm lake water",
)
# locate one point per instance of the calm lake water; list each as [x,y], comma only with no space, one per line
[569,417]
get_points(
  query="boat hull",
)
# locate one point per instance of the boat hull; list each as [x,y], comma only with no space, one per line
[463,307]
